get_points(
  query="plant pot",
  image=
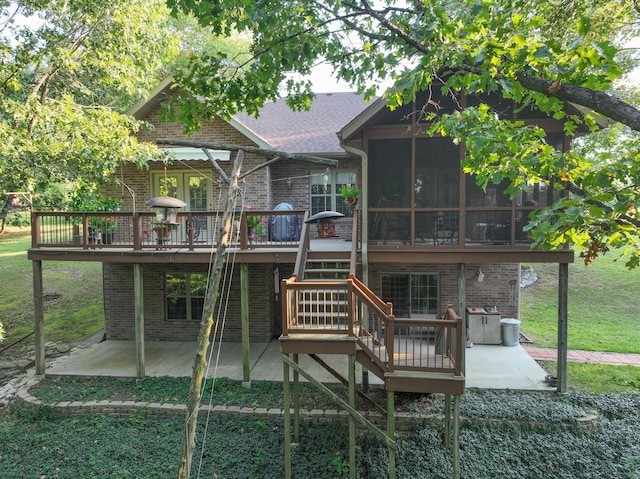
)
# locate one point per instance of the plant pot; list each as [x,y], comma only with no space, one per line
[351,201]
[107,238]
[163,235]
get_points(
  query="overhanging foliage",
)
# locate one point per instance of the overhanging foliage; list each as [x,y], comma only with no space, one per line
[544,55]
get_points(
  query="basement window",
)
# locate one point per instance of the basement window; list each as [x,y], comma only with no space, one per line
[185,293]
[412,295]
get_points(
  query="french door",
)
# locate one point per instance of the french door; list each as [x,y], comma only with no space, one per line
[192,188]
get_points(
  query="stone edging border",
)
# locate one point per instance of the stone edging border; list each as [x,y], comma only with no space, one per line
[403,421]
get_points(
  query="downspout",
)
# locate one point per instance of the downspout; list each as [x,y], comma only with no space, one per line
[364,161]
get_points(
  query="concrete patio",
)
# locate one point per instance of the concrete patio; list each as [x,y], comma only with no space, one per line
[487,366]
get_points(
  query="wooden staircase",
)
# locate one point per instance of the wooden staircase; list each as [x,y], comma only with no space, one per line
[328,310]
[323,269]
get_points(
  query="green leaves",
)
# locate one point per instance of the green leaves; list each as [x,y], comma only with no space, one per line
[66,84]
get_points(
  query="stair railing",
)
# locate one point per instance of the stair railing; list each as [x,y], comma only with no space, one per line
[303,247]
[410,344]
[350,307]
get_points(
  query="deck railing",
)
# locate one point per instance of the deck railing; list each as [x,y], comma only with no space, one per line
[394,344]
[140,231]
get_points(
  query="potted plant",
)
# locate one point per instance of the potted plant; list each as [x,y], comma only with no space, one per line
[255,224]
[350,195]
[105,226]
[86,199]
[163,230]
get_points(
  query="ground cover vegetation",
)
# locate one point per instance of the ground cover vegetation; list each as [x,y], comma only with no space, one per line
[505,434]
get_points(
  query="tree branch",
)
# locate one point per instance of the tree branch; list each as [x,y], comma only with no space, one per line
[598,101]
[249,149]
[623,220]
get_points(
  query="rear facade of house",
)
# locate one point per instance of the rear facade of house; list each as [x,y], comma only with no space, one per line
[428,235]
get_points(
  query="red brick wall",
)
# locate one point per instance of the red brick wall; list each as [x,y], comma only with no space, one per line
[120,314]
[495,289]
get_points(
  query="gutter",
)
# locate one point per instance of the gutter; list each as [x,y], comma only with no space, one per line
[365,201]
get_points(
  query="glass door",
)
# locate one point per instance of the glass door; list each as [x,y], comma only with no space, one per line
[195,190]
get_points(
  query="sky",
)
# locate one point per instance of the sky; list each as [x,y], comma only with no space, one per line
[323,81]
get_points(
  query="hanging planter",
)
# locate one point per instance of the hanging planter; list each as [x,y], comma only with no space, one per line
[350,195]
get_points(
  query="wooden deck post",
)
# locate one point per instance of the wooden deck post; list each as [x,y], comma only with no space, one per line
[138,303]
[391,432]
[456,436]
[287,419]
[447,421]
[452,430]
[563,325]
[244,315]
[352,420]
[38,317]
[296,400]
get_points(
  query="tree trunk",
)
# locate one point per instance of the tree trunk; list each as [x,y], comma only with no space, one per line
[213,294]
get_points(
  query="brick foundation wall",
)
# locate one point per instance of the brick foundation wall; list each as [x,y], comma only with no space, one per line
[497,288]
[120,314]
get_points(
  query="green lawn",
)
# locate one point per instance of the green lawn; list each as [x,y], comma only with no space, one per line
[604,306]
[72,293]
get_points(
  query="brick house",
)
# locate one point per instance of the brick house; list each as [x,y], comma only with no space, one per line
[428,236]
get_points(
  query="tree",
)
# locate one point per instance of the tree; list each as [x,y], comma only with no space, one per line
[68,73]
[545,55]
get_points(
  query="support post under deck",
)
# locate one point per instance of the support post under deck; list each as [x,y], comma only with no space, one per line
[563,326]
[138,294]
[287,420]
[452,430]
[296,401]
[456,436]
[38,316]
[352,420]
[244,315]
[391,432]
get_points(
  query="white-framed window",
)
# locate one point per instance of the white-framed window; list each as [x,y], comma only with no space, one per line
[185,294]
[325,190]
[412,294]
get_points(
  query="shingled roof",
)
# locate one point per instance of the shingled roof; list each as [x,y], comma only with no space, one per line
[313,131]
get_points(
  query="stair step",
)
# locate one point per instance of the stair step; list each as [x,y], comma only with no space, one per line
[327,270]
[424,382]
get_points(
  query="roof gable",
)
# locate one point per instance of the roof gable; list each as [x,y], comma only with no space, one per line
[313,131]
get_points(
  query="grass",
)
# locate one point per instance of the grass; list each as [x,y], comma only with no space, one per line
[73,307]
[603,304]
[599,378]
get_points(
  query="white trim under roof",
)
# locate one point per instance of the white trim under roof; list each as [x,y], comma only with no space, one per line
[152,94]
[362,118]
[246,131]
[184,153]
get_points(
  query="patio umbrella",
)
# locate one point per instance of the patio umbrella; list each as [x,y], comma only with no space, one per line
[324,215]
